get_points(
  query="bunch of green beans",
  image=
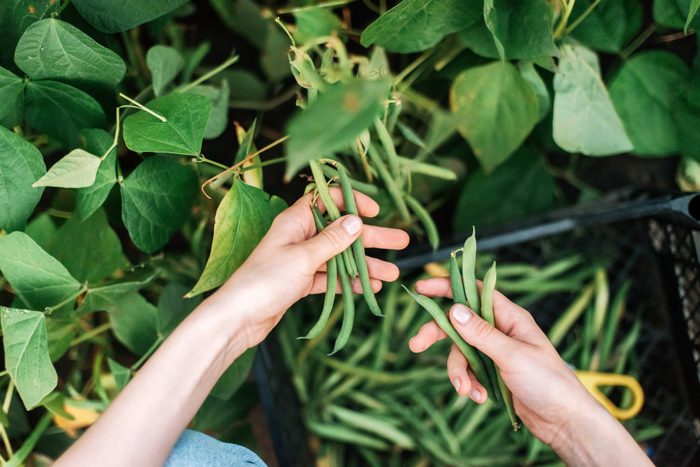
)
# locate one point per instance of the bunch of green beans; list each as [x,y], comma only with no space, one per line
[465,292]
[382,405]
[349,264]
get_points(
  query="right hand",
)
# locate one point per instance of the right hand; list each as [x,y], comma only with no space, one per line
[547,395]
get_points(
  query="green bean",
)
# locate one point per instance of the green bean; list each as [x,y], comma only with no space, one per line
[487,292]
[373,425]
[384,377]
[456,284]
[385,333]
[348,308]
[567,319]
[366,188]
[429,170]
[607,338]
[602,297]
[426,219]
[362,351]
[390,184]
[331,284]
[358,247]
[439,421]
[389,148]
[469,272]
[478,415]
[370,457]
[444,323]
[588,337]
[332,210]
[346,435]
[367,401]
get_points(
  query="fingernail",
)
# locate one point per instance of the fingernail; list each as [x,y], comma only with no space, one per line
[352,224]
[476,395]
[457,384]
[461,313]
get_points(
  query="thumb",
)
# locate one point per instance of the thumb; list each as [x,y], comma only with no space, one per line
[479,333]
[332,240]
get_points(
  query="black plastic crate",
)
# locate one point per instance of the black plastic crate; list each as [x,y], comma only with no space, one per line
[653,241]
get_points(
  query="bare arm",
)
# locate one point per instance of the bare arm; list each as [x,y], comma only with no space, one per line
[144,422]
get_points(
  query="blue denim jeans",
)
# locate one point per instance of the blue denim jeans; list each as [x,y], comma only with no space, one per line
[197,449]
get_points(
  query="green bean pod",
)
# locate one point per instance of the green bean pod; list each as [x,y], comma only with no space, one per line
[390,184]
[331,284]
[362,187]
[458,295]
[444,323]
[469,272]
[358,247]
[426,219]
[348,308]
[389,148]
[333,211]
[487,292]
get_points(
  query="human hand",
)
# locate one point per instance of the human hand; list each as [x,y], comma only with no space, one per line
[546,393]
[289,263]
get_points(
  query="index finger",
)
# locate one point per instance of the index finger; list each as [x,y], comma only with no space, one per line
[366,206]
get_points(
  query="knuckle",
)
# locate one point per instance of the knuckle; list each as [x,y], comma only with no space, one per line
[333,238]
[482,330]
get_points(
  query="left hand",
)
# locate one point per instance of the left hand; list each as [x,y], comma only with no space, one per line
[289,263]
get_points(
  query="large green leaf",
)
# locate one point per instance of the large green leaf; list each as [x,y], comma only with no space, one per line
[242,219]
[351,107]
[134,322]
[218,118]
[164,63]
[533,78]
[520,29]
[106,296]
[60,335]
[61,111]
[234,376]
[687,118]
[15,17]
[173,307]
[54,49]
[496,110]
[585,120]
[610,25]
[36,277]
[675,14]
[77,169]
[182,133]
[415,25]
[692,11]
[644,92]
[42,230]
[520,187]
[27,359]
[120,15]
[90,250]
[12,98]
[89,199]
[316,22]
[156,200]
[20,164]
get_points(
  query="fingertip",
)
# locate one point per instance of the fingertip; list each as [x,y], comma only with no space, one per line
[461,314]
[462,385]
[376,285]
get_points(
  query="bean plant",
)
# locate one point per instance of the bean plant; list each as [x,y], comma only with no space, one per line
[141,145]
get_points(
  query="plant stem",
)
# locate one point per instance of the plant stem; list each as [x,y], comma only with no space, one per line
[6,408]
[148,353]
[276,160]
[91,333]
[568,8]
[638,41]
[583,16]
[201,158]
[50,309]
[412,66]
[143,107]
[326,4]
[206,76]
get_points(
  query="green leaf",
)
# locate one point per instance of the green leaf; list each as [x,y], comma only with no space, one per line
[27,354]
[692,11]
[520,29]
[12,98]
[106,296]
[89,199]
[90,250]
[415,25]
[42,230]
[134,322]
[61,111]
[156,200]
[315,22]
[244,85]
[351,107]
[173,307]
[609,26]
[524,186]
[675,14]
[20,164]
[121,374]
[164,63]
[687,118]
[530,74]
[644,92]
[15,17]
[120,15]
[244,17]
[54,49]
[182,133]
[218,118]
[60,335]
[234,376]
[585,120]
[274,58]
[496,110]
[242,219]
[77,169]
[36,277]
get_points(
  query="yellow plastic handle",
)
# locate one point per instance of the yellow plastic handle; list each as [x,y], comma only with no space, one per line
[593,381]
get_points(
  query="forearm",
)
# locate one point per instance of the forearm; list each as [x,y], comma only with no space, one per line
[595,438]
[146,419]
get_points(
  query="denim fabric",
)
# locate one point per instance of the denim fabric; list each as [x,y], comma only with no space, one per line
[197,449]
